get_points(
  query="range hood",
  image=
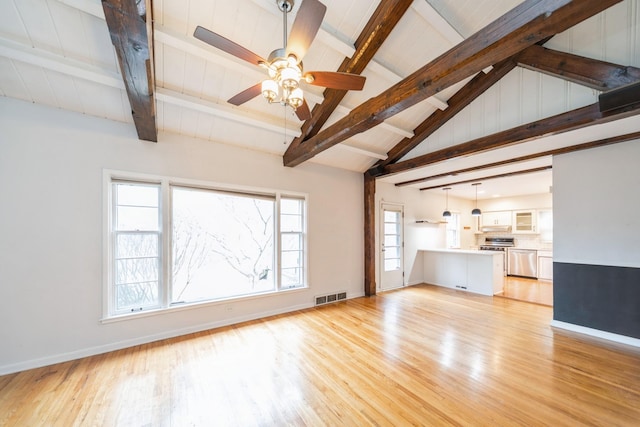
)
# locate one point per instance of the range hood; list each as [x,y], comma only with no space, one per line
[496,228]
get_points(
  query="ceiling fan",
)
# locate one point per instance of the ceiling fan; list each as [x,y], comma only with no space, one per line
[284,65]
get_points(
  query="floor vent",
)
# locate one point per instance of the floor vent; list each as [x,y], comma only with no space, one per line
[327,299]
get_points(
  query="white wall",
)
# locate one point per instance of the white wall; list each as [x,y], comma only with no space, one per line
[596,200]
[420,205]
[51,225]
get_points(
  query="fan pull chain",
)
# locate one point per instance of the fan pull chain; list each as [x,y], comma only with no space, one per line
[285,125]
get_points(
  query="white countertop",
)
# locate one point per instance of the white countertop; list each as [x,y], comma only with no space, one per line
[464,251]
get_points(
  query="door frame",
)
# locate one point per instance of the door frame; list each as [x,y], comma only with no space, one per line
[394,207]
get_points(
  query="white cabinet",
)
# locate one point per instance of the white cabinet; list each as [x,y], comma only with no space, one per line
[474,271]
[446,269]
[496,218]
[525,222]
[545,265]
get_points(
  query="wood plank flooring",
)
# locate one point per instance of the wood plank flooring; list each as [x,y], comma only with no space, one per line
[531,290]
[422,355]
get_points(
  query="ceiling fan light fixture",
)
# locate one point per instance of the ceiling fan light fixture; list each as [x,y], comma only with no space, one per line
[295,98]
[290,77]
[270,90]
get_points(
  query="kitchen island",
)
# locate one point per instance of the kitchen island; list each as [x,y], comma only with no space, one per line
[471,270]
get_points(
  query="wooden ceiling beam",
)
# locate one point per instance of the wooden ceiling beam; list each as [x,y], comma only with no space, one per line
[599,75]
[524,26]
[380,25]
[487,178]
[563,150]
[620,97]
[588,72]
[129,23]
[571,120]
[474,88]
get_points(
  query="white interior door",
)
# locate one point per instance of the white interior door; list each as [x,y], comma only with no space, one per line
[392,247]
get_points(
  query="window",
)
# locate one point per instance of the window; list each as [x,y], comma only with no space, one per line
[136,247]
[292,228]
[219,243]
[453,230]
[392,240]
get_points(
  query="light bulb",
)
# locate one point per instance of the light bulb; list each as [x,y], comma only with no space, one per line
[289,77]
[270,90]
[295,98]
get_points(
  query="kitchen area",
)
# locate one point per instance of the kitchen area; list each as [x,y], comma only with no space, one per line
[524,237]
[512,234]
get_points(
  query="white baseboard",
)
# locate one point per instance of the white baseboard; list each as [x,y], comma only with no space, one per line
[119,345]
[622,339]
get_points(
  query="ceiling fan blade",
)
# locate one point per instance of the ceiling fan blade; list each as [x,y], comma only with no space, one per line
[246,95]
[305,27]
[303,112]
[336,80]
[222,43]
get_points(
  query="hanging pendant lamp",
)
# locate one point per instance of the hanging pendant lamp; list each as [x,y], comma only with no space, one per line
[476,211]
[446,213]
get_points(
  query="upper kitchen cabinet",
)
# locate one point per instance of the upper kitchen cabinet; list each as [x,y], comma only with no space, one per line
[496,218]
[525,222]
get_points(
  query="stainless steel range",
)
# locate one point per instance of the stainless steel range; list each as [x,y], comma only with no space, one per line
[499,244]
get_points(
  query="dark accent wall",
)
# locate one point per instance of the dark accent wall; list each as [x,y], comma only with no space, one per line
[600,297]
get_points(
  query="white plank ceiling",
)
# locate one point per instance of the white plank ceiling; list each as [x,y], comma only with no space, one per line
[59,53]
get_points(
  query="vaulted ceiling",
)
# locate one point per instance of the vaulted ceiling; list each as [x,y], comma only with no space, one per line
[456,91]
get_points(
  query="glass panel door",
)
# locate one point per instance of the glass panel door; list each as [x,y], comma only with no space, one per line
[392,246]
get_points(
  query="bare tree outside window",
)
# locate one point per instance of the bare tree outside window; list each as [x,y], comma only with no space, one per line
[223,244]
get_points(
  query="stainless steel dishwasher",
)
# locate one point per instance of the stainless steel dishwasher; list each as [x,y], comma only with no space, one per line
[523,262]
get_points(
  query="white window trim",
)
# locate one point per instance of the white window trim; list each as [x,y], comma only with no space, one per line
[109,175]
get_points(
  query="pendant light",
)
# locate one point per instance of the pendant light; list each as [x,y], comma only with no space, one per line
[476,211]
[446,213]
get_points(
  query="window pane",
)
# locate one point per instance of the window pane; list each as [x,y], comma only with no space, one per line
[134,270]
[136,295]
[136,245]
[137,194]
[222,244]
[291,242]
[291,259]
[390,216]
[137,218]
[391,264]
[392,228]
[291,222]
[392,240]
[391,252]
[291,206]
[292,277]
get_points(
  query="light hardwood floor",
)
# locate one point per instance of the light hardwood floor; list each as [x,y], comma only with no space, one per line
[421,355]
[530,290]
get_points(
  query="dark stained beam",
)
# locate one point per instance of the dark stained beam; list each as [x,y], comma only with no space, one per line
[380,25]
[563,150]
[487,178]
[523,26]
[127,21]
[588,72]
[369,235]
[575,119]
[474,88]
[621,97]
